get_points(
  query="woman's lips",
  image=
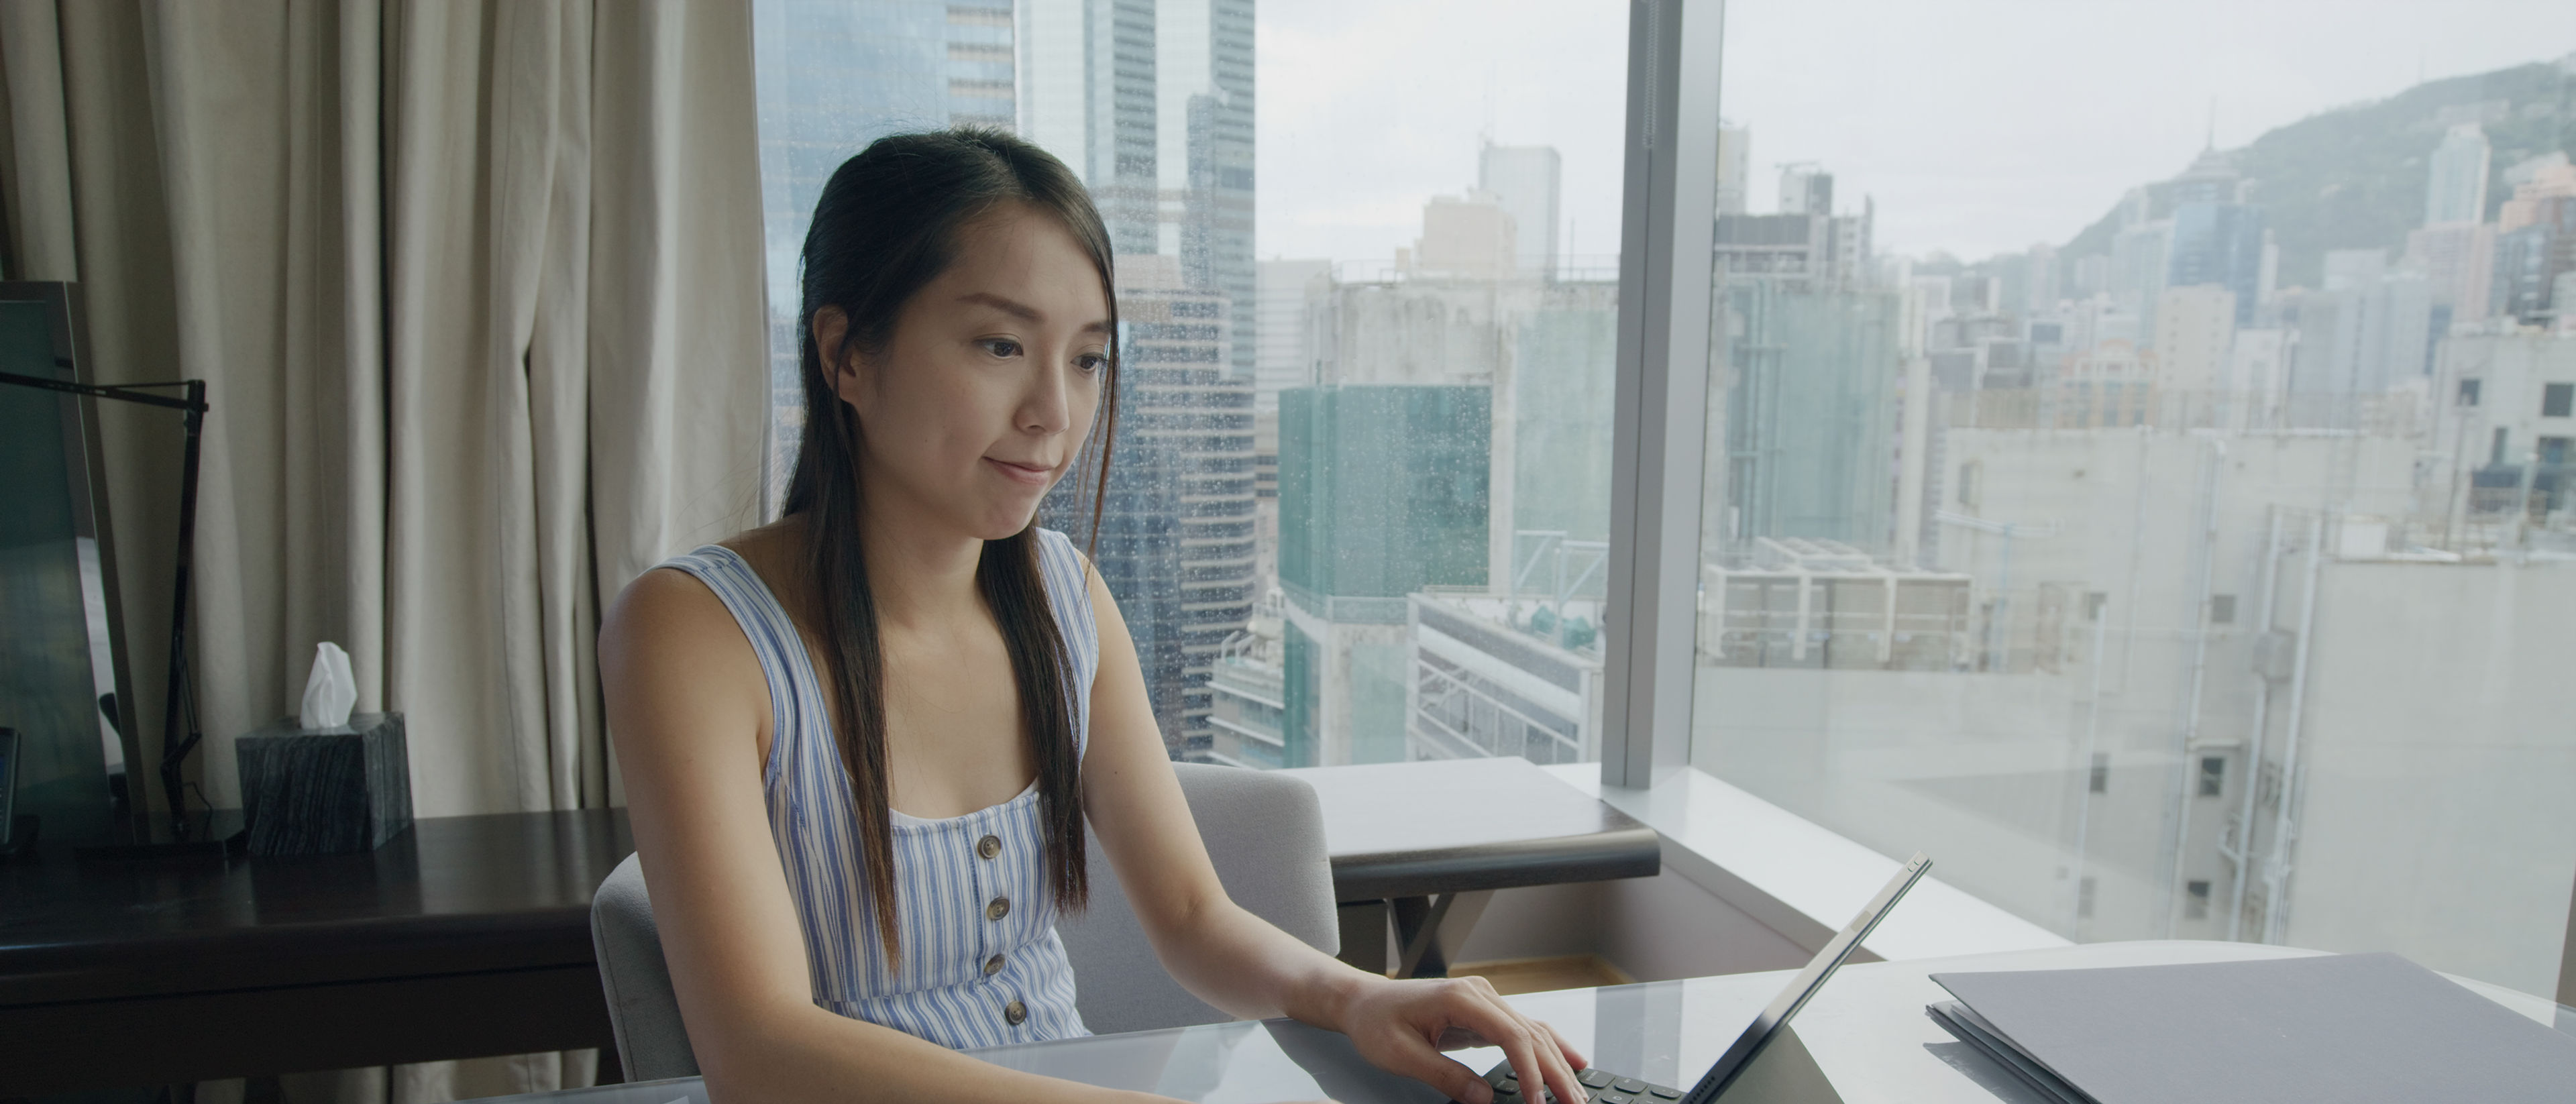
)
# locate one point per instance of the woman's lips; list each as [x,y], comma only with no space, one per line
[1028,474]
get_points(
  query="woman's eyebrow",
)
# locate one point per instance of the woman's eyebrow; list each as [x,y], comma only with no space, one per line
[1023,311]
[1010,307]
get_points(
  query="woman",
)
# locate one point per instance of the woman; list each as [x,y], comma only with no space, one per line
[862,745]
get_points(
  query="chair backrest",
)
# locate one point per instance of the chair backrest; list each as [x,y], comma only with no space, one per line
[651,1043]
[1264,833]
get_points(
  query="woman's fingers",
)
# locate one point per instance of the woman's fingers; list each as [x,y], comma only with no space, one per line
[1572,1056]
[1548,1051]
[1454,1037]
[1414,1057]
[1532,1048]
[1411,1022]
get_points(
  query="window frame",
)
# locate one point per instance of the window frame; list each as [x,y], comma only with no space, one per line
[1659,430]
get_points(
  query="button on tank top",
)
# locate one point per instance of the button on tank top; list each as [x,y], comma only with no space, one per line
[981,964]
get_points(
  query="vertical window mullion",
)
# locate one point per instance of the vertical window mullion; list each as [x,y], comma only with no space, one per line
[1668,222]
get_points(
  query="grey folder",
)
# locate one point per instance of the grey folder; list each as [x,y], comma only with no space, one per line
[2351,1029]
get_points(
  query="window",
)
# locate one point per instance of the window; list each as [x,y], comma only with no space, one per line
[1358,495]
[1977,514]
[2102,486]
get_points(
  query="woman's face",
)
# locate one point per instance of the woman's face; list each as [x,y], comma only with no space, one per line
[984,394]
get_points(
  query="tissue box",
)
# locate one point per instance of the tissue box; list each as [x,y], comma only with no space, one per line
[325,791]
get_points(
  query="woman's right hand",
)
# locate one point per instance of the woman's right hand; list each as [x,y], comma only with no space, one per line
[1403,1026]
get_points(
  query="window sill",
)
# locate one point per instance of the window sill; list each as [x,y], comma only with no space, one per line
[1798,877]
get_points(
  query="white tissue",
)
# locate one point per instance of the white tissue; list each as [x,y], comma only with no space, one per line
[330,690]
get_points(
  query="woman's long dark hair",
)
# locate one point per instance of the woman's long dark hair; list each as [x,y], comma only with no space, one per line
[886,225]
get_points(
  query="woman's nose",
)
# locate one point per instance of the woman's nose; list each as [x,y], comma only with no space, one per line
[1047,408]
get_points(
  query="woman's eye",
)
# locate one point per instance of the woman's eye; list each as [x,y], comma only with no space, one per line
[1091,362]
[1002,347]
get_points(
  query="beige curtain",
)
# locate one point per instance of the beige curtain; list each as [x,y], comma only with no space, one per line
[476,288]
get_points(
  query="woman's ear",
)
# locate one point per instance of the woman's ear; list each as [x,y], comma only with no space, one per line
[840,364]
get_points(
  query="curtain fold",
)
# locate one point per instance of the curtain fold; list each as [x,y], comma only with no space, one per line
[476,288]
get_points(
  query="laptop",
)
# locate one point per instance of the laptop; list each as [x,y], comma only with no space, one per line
[1605,1087]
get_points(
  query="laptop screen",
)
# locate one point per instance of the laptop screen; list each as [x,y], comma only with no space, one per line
[1768,1024]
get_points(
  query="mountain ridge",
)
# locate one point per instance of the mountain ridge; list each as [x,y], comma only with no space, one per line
[2353,177]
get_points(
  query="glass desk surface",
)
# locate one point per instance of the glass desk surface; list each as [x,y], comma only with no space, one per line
[1863,1038]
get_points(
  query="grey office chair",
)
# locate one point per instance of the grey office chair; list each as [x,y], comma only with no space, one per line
[642,1012]
[1264,832]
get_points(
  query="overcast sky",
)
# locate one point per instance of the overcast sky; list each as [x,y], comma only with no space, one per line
[1980,126]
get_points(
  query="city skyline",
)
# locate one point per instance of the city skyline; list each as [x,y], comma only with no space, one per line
[1337,89]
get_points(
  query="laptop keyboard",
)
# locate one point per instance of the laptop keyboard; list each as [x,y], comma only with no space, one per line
[1602,1086]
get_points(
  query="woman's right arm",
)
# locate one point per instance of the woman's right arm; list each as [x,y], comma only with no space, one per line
[685,699]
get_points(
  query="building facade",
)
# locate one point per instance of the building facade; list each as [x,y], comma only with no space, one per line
[1382,492]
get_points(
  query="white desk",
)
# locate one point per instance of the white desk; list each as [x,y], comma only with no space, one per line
[1863,1040]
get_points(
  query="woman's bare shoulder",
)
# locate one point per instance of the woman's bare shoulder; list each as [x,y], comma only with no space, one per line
[666,597]
[670,651]
[667,615]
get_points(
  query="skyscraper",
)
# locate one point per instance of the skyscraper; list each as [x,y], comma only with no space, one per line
[1086,94]
[2216,238]
[1811,415]
[2455,184]
[835,75]
[1382,491]
[1524,182]
[2535,240]
[1203,152]
[1806,190]
[1151,102]
[2039,288]
[1560,387]
[1806,242]
[2219,244]
[1734,167]
[1175,542]
[2358,339]
[2141,262]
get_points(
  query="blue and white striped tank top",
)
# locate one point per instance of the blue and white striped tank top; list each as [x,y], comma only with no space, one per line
[981,964]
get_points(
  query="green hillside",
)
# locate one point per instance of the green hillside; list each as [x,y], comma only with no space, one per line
[2354,177]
